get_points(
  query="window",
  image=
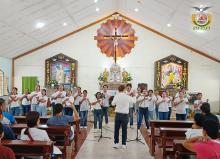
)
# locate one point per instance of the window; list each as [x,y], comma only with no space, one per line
[3,84]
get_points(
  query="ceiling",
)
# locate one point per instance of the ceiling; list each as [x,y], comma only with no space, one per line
[18,19]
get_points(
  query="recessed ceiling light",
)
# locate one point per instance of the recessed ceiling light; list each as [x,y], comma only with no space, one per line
[64,24]
[40,25]
[97,9]
[169,25]
[95,1]
[136,9]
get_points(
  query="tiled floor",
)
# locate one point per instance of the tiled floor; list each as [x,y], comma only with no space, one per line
[92,149]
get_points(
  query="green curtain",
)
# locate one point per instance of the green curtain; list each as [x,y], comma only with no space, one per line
[29,82]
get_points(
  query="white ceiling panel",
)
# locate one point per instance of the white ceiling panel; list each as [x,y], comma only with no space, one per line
[18,19]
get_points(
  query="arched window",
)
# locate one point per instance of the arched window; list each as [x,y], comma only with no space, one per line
[3,84]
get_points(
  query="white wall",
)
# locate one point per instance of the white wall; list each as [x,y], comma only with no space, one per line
[6,67]
[204,74]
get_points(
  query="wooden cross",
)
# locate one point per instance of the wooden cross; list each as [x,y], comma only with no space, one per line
[115,38]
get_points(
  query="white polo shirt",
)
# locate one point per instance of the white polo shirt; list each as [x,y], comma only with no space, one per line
[106,99]
[122,100]
[84,106]
[164,106]
[34,99]
[181,107]
[77,100]
[15,103]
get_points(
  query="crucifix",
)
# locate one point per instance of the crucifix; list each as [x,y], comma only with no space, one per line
[116,37]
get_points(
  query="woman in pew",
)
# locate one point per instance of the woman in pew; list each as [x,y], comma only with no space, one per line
[181,105]
[196,129]
[163,106]
[208,145]
[8,133]
[5,152]
[62,120]
[32,132]
[5,114]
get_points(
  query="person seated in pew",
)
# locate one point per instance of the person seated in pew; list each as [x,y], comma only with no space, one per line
[5,114]
[208,145]
[196,129]
[62,120]
[205,110]
[7,130]
[32,132]
[5,152]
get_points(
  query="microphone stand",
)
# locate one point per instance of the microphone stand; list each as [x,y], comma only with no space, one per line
[101,136]
[137,139]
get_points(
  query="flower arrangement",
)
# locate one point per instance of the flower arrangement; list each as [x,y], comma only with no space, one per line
[53,82]
[102,78]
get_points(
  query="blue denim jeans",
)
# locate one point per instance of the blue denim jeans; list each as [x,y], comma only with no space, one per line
[151,114]
[68,111]
[121,120]
[77,108]
[42,110]
[34,107]
[180,116]
[163,115]
[105,114]
[143,112]
[97,118]
[131,115]
[25,109]
[15,111]
[83,118]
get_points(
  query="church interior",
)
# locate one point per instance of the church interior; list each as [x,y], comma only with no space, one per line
[92,79]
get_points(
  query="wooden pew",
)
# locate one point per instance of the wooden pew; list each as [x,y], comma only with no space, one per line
[61,134]
[43,120]
[22,119]
[169,134]
[155,124]
[180,150]
[30,148]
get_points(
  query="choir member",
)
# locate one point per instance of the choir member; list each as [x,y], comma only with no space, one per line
[54,98]
[131,93]
[61,94]
[106,97]
[84,107]
[156,93]
[68,104]
[97,109]
[121,101]
[25,102]
[42,103]
[163,106]
[33,98]
[77,97]
[151,100]
[14,102]
[181,103]
[198,103]
[143,109]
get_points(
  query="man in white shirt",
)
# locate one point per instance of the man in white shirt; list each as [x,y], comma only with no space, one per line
[77,97]
[84,107]
[121,101]
[105,107]
[198,103]
[181,103]
[151,100]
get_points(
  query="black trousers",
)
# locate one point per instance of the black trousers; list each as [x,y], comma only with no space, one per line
[121,120]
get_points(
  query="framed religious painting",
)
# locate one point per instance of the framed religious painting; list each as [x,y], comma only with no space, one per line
[61,69]
[171,73]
